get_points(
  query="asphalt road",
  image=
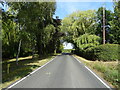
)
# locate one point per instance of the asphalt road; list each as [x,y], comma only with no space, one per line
[62,72]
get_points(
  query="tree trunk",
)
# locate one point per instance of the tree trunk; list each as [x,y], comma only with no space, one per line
[18,52]
[33,48]
[38,44]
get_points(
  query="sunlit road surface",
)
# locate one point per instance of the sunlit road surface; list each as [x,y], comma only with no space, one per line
[62,72]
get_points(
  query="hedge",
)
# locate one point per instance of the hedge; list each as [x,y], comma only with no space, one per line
[106,52]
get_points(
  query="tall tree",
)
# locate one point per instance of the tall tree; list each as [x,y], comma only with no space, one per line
[115,24]
[79,23]
[34,17]
[9,35]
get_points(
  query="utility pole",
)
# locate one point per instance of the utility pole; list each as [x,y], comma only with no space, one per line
[104,23]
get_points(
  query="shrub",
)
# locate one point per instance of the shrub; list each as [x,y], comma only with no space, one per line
[106,52]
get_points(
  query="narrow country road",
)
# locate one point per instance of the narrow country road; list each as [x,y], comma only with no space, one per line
[62,72]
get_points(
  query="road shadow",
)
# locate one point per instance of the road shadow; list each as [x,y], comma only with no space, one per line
[66,54]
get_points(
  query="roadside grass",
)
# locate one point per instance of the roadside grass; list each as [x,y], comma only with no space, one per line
[107,70]
[12,72]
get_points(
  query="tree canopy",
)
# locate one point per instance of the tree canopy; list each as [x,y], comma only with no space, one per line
[30,27]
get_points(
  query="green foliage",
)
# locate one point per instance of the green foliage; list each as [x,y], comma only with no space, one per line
[86,41]
[67,50]
[33,25]
[10,36]
[60,49]
[48,32]
[36,23]
[79,23]
[107,52]
[115,24]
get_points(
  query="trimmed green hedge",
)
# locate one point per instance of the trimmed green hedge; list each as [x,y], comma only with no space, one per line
[106,52]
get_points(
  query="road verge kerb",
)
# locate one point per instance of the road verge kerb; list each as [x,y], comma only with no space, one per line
[29,74]
[95,75]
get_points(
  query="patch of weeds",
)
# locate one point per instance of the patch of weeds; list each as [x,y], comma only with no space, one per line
[112,76]
[99,67]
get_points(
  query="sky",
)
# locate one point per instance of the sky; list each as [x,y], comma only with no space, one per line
[66,8]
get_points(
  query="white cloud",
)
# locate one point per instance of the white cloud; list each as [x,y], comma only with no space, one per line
[68,45]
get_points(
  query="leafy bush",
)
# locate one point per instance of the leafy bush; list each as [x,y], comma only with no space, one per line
[106,52]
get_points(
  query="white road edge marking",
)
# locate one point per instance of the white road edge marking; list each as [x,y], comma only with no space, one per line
[97,77]
[30,73]
[94,75]
[77,59]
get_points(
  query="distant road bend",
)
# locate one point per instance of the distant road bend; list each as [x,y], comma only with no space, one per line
[64,71]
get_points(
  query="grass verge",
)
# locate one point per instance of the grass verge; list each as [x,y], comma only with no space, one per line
[12,72]
[107,70]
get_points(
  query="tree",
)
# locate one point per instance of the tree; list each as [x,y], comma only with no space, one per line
[9,35]
[35,22]
[80,22]
[77,24]
[115,24]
